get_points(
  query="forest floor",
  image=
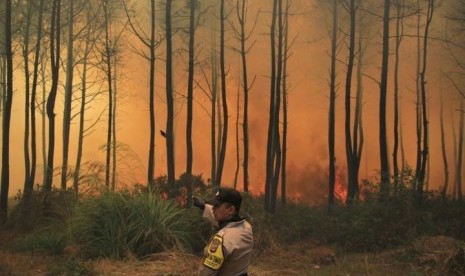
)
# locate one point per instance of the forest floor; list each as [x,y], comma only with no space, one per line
[428,256]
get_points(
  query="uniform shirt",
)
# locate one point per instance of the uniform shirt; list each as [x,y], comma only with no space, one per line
[229,251]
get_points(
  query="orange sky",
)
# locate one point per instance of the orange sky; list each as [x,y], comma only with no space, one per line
[308,111]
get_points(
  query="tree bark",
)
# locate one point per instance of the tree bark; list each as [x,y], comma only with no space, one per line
[169,97]
[68,95]
[224,135]
[55,66]
[5,177]
[30,184]
[190,95]
[382,102]
[332,109]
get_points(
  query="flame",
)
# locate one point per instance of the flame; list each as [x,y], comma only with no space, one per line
[340,190]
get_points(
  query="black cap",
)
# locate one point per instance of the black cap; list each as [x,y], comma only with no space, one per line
[229,195]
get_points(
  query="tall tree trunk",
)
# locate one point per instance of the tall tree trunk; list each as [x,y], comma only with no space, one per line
[27,90]
[30,184]
[109,74]
[349,141]
[458,178]
[80,144]
[382,102]
[271,142]
[443,150]
[151,162]
[274,169]
[44,125]
[285,101]
[113,122]
[55,66]
[68,95]
[190,98]
[224,135]
[214,77]
[418,102]
[332,109]
[399,32]
[5,177]
[358,122]
[454,135]
[241,16]
[238,156]
[169,97]
[425,149]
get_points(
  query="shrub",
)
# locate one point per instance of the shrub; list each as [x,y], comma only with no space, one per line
[118,224]
[52,242]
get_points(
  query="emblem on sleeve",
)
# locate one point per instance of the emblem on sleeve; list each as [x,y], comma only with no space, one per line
[215,256]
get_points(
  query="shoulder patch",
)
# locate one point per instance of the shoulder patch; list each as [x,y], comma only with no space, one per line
[215,256]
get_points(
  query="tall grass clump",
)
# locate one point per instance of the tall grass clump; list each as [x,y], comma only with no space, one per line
[120,224]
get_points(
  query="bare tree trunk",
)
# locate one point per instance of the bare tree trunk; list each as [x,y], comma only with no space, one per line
[5,177]
[271,143]
[443,149]
[242,18]
[458,178]
[382,102]
[80,144]
[332,109]
[55,66]
[285,105]
[454,134]
[418,104]
[350,154]
[224,135]
[44,126]
[238,157]
[109,74]
[190,95]
[30,184]
[274,150]
[113,122]
[213,108]
[27,90]
[425,149]
[358,122]
[151,161]
[399,32]
[169,97]
[68,95]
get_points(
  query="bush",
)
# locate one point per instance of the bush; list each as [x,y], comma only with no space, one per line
[52,242]
[120,224]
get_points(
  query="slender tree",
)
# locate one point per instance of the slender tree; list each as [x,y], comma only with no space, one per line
[30,185]
[443,149]
[425,149]
[382,101]
[55,35]
[243,37]
[5,177]
[285,104]
[169,95]
[27,90]
[332,107]
[151,43]
[190,96]
[68,95]
[224,134]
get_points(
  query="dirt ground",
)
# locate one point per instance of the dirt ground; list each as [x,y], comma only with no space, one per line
[425,257]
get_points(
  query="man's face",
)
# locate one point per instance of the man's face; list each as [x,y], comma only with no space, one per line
[223,211]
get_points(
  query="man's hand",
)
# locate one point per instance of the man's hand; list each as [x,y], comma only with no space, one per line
[198,202]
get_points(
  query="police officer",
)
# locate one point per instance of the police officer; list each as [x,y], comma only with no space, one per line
[229,250]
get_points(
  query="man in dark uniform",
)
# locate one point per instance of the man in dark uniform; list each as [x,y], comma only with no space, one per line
[229,250]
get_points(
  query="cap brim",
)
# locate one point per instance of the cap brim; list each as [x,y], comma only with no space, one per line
[214,202]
